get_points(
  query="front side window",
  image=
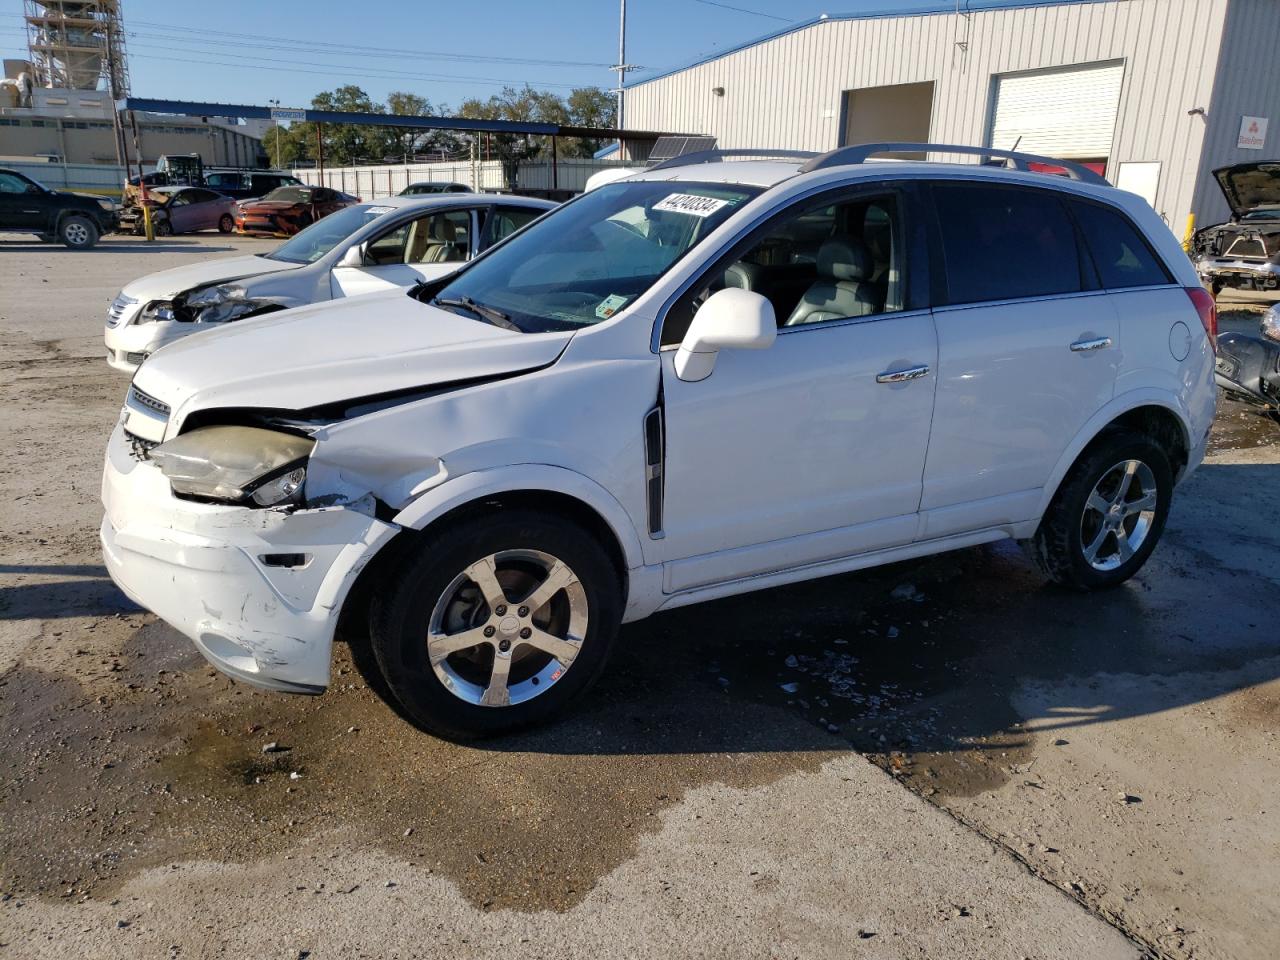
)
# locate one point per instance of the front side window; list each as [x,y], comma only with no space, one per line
[591,258]
[10,183]
[826,261]
[1122,257]
[1002,243]
[435,238]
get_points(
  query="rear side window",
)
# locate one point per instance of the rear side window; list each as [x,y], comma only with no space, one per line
[1002,243]
[1122,256]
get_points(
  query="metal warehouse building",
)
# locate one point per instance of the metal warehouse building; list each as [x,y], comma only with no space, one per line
[1154,93]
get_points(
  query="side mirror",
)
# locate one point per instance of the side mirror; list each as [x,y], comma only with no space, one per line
[730,319]
[354,257]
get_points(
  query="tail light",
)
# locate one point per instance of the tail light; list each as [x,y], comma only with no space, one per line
[1208,310]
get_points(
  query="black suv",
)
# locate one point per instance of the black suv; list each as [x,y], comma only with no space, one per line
[74,218]
[248,186]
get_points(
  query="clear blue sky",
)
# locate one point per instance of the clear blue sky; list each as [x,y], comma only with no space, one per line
[247,51]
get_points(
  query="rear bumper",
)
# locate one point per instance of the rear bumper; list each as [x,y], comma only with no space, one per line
[200,568]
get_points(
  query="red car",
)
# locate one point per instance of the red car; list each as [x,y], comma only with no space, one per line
[285,211]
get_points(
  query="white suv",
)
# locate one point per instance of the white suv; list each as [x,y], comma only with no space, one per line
[709,378]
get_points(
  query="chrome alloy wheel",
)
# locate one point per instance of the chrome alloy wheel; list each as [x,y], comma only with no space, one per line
[507,628]
[1118,514]
[77,233]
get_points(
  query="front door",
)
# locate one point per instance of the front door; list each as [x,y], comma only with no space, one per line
[813,449]
[1028,350]
[21,204]
[421,249]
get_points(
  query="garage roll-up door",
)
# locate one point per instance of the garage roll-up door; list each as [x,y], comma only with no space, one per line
[1067,113]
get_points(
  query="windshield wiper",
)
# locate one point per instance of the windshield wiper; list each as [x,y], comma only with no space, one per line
[485,312]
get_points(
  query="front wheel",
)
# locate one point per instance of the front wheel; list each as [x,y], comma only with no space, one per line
[78,233]
[164,228]
[496,623]
[1107,515]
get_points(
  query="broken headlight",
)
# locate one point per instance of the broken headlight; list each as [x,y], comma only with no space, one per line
[157,310]
[243,465]
[1271,323]
[221,303]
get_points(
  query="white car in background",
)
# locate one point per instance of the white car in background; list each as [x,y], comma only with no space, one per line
[395,242]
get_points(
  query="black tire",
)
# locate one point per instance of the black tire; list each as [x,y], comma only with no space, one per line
[1058,546]
[401,610]
[227,223]
[163,228]
[77,232]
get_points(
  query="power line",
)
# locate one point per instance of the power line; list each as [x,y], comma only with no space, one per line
[754,13]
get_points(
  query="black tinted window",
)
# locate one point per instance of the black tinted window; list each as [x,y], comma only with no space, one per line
[1122,257]
[1001,243]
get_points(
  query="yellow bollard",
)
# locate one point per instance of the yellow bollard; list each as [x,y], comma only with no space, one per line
[148,227]
[1191,228]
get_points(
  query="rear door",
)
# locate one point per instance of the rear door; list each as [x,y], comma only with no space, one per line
[502,221]
[1028,350]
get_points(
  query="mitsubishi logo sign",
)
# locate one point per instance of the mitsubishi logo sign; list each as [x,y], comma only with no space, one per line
[1253,133]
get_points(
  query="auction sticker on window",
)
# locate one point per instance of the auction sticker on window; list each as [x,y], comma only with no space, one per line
[610,305]
[691,204]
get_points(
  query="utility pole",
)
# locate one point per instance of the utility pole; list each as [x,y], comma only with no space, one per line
[621,69]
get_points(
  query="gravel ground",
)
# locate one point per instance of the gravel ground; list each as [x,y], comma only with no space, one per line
[971,764]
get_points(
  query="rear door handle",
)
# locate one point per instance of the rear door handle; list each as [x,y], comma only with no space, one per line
[1097,343]
[902,376]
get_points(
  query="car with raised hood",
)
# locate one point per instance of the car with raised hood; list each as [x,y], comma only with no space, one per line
[1244,252]
[180,210]
[710,378]
[361,249]
[287,210]
[77,220]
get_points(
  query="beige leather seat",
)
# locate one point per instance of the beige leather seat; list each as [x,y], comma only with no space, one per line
[844,287]
[435,244]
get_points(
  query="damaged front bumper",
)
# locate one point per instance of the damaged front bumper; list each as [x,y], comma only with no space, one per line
[130,343]
[1240,274]
[257,590]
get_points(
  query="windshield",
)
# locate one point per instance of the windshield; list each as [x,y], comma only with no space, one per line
[309,245]
[591,258]
[1263,213]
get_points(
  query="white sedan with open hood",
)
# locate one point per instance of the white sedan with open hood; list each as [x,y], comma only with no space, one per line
[392,243]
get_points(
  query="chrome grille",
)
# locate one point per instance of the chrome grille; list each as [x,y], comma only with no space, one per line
[148,401]
[117,309]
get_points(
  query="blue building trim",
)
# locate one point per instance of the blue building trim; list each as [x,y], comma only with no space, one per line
[929,8]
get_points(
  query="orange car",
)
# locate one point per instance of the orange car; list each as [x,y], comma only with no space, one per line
[286,210]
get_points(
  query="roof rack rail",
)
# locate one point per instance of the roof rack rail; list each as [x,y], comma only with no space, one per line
[712,156]
[859,153]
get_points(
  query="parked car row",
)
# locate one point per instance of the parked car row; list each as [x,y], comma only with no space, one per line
[703,379]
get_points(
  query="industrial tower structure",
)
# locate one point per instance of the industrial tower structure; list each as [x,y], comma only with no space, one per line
[75,43]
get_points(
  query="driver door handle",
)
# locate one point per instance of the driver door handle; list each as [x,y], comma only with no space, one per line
[1097,343]
[902,376]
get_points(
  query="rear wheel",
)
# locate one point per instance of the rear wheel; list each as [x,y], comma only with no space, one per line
[77,232]
[226,224]
[1107,515]
[496,623]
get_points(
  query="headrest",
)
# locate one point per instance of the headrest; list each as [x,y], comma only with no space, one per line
[443,230]
[844,258]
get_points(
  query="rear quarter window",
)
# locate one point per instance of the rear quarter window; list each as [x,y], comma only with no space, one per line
[1120,253]
[1005,243]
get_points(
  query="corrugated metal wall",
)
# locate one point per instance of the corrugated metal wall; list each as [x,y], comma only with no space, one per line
[1247,85]
[571,173]
[788,91]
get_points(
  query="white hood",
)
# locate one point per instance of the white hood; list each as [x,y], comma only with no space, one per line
[331,352]
[170,283]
